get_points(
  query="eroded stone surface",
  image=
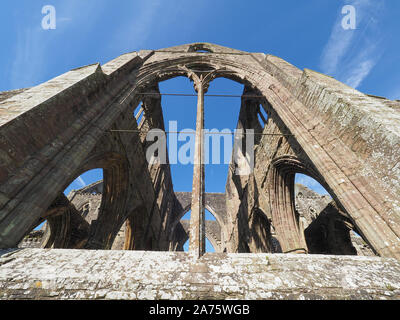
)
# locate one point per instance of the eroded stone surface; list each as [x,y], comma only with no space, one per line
[305,122]
[88,274]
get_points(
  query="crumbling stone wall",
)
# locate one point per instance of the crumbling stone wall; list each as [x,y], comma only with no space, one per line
[346,140]
[311,207]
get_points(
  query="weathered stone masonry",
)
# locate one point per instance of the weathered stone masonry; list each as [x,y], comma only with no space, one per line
[84,119]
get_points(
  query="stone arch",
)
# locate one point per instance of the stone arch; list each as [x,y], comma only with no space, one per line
[112,89]
[63,227]
[213,234]
[132,235]
[284,215]
[207,207]
[114,193]
[260,232]
[183,206]
[184,200]
[280,99]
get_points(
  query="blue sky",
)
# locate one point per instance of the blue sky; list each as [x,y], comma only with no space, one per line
[306,33]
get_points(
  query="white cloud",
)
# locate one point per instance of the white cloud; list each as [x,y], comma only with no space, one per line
[357,74]
[350,55]
[336,47]
[28,60]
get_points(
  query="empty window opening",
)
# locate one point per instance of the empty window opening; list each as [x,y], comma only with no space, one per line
[86,180]
[327,229]
[179,113]
[221,117]
[209,246]
[361,246]
[185,221]
[311,184]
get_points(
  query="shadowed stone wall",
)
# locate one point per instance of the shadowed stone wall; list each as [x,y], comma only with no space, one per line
[310,123]
[309,205]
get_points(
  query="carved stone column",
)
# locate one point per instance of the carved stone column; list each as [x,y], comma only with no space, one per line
[197,220]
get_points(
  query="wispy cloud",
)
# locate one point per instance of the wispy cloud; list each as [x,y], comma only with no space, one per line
[32,43]
[29,52]
[350,55]
[337,46]
[81,182]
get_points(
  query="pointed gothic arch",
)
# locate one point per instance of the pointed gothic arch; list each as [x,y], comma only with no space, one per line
[330,125]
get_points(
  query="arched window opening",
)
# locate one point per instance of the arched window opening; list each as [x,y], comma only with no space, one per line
[85,194]
[85,210]
[179,114]
[327,229]
[310,199]
[221,119]
[209,246]
[209,220]
[361,246]
[66,223]
[86,180]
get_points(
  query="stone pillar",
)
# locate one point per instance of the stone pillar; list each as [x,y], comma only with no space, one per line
[197,240]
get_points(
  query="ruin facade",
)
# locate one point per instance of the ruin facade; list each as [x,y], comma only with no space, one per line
[84,119]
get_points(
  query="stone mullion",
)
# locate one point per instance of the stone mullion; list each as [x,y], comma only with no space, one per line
[197,223]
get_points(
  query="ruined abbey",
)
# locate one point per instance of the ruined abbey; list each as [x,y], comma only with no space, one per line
[123,237]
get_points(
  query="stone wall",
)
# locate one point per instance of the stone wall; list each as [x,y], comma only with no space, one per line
[90,274]
[309,206]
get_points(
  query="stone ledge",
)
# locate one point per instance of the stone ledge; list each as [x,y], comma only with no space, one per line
[89,274]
